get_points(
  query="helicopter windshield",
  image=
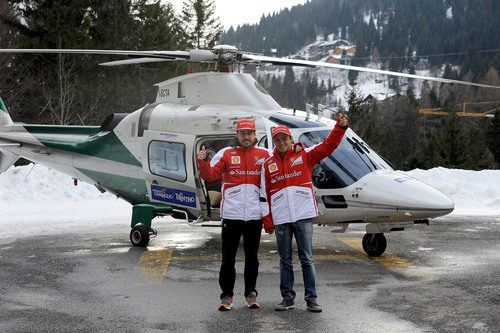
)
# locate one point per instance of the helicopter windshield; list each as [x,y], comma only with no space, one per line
[352,159]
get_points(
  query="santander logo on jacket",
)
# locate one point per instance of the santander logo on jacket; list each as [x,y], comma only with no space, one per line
[240,170]
[286,182]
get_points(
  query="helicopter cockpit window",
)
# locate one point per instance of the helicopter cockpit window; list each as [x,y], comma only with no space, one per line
[167,159]
[351,160]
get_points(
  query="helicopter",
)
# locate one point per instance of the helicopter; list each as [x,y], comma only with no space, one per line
[148,157]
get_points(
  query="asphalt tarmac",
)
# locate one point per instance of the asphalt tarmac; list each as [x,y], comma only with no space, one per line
[441,278]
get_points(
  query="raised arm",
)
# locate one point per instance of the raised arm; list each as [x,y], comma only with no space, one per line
[325,148]
[211,170]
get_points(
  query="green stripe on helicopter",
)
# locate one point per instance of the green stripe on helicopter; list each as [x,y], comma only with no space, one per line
[86,140]
[2,106]
[130,189]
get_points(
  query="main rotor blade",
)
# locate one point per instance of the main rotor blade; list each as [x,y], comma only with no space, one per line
[180,55]
[134,61]
[296,62]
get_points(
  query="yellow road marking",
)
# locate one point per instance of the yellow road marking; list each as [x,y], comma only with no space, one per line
[153,265]
[275,257]
[389,260]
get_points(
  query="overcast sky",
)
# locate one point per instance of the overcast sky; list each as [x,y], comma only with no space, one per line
[234,12]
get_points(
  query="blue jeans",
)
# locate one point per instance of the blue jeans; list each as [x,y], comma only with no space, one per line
[302,230]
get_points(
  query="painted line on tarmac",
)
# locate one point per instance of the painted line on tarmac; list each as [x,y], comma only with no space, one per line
[276,257]
[394,263]
[152,266]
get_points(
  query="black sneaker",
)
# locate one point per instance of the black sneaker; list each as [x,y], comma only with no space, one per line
[225,303]
[313,306]
[252,301]
[286,303]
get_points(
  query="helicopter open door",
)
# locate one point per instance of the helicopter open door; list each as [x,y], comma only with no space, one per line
[168,163]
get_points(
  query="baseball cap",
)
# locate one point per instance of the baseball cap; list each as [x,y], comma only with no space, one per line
[281,129]
[245,124]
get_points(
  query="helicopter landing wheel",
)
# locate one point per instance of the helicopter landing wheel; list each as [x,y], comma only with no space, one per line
[139,235]
[374,244]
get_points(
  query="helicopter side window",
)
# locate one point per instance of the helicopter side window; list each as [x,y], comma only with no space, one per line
[167,159]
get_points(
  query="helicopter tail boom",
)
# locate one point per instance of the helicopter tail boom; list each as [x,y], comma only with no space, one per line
[4,115]
[6,158]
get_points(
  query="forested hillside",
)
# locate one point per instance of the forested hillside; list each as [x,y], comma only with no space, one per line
[453,38]
[402,30]
[456,39]
[74,89]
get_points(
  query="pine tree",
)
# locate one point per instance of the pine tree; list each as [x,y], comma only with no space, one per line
[452,145]
[202,27]
[356,110]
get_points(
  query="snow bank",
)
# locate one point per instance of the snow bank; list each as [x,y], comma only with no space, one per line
[39,200]
[43,201]
[474,192]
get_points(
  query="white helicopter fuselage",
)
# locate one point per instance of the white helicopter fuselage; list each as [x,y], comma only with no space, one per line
[149,156]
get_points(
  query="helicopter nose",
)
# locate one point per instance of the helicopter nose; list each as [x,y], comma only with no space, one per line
[389,188]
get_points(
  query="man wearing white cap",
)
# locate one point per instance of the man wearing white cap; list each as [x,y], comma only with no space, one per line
[289,207]
[239,166]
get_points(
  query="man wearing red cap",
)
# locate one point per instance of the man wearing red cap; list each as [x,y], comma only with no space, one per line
[240,167]
[289,207]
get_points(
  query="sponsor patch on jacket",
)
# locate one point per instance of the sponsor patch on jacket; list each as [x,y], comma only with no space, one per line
[174,196]
[301,192]
[230,193]
[279,196]
[235,160]
[296,161]
[259,161]
[242,172]
[273,167]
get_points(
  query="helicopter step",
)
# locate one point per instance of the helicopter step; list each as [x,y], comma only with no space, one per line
[199,221]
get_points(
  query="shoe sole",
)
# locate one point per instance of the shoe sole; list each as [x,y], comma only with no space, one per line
[224,308]
[315,311]
[285,308]
[253,306]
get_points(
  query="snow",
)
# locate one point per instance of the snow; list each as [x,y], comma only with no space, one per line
[474,192]
[38,200]
[449,13]
[366,83]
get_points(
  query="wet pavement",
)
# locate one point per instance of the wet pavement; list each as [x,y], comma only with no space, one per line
[442,278]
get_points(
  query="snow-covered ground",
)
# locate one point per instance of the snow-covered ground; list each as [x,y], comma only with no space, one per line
[39,200]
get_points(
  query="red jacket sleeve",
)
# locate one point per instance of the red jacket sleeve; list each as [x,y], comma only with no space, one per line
[325,148]
[212,170]
[265,204]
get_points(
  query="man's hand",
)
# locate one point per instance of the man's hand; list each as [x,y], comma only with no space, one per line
[270,232]
[202,154]
[297,147]
[342,120]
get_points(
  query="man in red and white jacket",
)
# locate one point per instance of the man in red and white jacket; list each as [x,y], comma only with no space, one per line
[289,207]
[240,167]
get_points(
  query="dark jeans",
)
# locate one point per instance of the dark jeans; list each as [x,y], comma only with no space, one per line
[232,230]
[302,230]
